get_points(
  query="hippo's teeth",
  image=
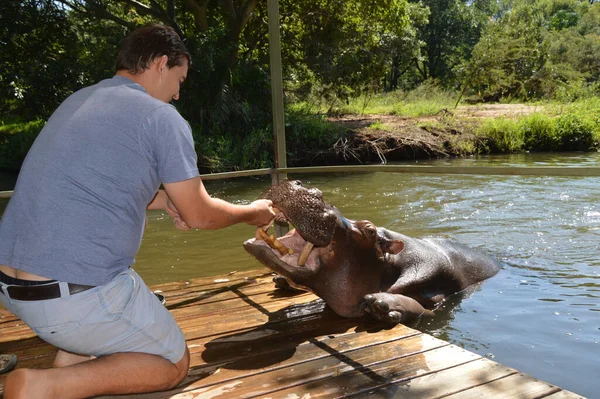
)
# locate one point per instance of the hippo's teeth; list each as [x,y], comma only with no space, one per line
[262,235]
[305,252]
[283,250]
[271,241]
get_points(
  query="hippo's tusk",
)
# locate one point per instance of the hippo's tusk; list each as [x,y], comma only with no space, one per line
[305,252]
[273,242]
[283,250]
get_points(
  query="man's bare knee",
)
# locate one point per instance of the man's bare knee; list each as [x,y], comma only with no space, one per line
[183,367]
[64,358]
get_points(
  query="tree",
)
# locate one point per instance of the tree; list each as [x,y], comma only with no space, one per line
[37,63]
[342,49]
[538,48]
[449,35]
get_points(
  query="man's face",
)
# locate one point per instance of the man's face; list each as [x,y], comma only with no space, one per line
[170,81]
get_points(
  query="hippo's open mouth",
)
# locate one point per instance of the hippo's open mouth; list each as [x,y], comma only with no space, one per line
[314,220]
[291,249]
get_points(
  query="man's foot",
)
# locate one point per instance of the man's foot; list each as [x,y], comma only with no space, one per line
[7,363]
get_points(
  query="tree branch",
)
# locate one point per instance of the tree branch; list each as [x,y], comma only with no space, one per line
[158,13]
[94,9]
[244,16]
[230,14]
[198,10]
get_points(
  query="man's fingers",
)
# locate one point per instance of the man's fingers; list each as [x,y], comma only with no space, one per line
[180,224]
[172,213]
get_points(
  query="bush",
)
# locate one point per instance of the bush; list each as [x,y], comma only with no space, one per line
[576,133]
[574,130]
[539,133]
[502,135]
[307,134]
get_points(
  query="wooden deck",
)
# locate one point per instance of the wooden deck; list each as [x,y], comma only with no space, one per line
[249,340]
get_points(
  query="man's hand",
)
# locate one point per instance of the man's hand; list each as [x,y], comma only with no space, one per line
[177,220]
[263,213]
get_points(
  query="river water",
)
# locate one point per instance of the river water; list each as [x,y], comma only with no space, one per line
[540,314]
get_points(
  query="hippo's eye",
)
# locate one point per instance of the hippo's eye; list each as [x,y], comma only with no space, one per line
[370,231]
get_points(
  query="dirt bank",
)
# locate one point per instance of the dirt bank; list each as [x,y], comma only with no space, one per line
[384,138]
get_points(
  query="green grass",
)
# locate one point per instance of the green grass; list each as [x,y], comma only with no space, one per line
[427,99]
[378,125]
[560,128]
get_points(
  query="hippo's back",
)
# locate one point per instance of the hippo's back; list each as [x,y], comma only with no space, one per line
[474,264]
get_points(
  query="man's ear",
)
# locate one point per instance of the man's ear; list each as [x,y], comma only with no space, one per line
[395,247]
[161,63]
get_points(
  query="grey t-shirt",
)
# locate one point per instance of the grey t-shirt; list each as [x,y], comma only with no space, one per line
[79,206]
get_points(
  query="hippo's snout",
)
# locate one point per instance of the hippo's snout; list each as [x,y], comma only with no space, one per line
[305,208]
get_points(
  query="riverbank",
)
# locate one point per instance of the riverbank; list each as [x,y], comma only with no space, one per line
[451,132]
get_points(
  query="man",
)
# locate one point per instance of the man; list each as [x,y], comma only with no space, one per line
[75,223]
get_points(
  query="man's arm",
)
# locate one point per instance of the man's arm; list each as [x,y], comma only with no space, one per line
[199,210]
[159,202]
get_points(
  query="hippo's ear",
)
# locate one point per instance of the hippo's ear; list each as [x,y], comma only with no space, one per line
[395,247]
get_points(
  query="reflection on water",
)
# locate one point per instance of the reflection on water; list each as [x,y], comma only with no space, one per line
[540,314]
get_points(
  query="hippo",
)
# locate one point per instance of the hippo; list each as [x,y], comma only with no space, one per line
[358,268]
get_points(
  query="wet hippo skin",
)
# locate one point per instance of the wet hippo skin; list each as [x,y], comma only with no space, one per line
[358,268]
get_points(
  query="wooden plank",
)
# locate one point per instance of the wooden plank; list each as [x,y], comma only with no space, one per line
[337,375]
[564,395]
[286,356]
[441,382]
[237,347]
[513,386]
[223,280]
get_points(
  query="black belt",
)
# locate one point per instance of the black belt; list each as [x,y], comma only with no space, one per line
[42,292]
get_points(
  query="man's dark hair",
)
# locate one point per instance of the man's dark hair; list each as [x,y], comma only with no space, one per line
[144,44]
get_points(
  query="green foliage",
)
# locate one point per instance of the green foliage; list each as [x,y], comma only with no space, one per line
[572,130]
[378,125]
[307,134]
[428,98]
[342,50]
[452,30]
[539,133]
[502,135]
[576,133]
[46,55]
[404,57]
[538,49]
[15,141]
